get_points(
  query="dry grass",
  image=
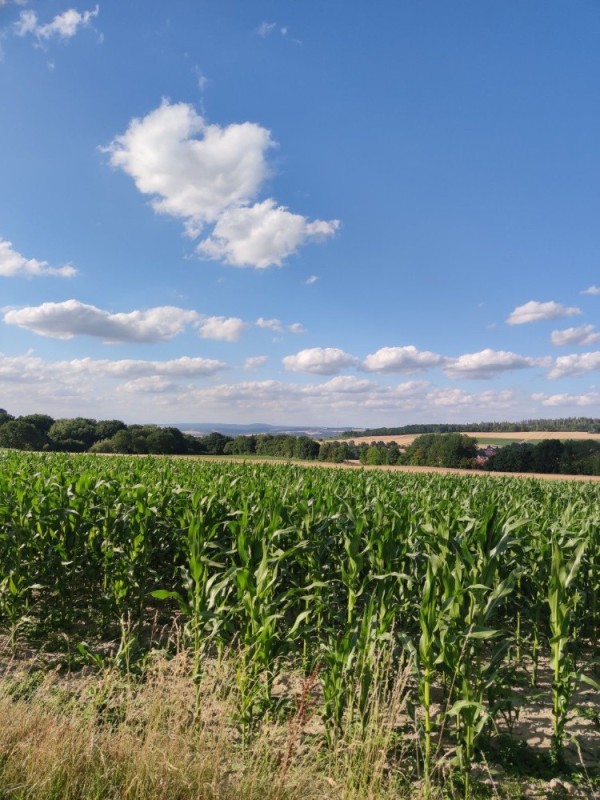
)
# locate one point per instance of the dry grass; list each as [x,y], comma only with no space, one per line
[105,737]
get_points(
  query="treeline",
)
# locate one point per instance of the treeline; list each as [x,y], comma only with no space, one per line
[40,432]
[566,424]
[572,457]
[428,450]
[455,450]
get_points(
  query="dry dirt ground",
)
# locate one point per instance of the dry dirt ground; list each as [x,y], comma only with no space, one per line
[391,468]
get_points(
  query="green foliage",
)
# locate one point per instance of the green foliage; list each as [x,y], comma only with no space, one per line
[72,435]
[21,435]
[42,422]
[572,457]
[441,450]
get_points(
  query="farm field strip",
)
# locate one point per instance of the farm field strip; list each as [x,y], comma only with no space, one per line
[470,583]
[500,436]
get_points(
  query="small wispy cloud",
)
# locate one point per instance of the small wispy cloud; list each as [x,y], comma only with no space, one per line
[13,264]
[227,329]
[311,279]
[534,311]
[274,325]
[201,80]
[277,326]
[591,290]
[63,26]
[267,28]
[253,362]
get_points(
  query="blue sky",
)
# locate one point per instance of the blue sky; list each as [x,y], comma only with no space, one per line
[323,213]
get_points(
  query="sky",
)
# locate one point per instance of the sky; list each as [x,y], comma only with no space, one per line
[337,213]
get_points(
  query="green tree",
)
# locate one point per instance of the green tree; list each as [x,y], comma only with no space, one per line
[42,422]
[20,435]
[306,448]
[5,416]
[214,443]
[73,435]
[547,455]
[169,441]
[373,455]
[106,428]
[441,450]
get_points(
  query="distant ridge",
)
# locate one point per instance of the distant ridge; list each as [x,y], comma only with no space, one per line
[233,429]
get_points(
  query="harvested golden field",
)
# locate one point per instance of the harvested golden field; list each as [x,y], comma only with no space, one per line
[526,436]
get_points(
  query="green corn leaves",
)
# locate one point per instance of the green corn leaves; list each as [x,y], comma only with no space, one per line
[464,578]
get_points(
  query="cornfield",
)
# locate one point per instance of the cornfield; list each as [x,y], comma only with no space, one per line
[465,582]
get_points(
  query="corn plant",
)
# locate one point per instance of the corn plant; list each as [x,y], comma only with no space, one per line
[567,555]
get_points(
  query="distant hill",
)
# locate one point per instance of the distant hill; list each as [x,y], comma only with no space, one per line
[232,429]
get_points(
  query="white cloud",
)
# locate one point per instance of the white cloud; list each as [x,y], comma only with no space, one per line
[585,334]
[193,170]
[169,390]
[311,280]
[401,359]
[155,384]
[63,26]
[269,324]
[32,369]
[91,387]
[586,399]
[183,367]
[27,23]
[72,318]
[341,397]
[575,365]
[225,328]
[346,384]
[533,311]
[277,326]
[201,80]
[266,28]
[455,398]
[13,264]
[261,235]
[591,290]
[319,361]
[206,174]
[253,362]
[489,363]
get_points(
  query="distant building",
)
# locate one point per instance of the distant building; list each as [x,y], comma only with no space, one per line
[483,453]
